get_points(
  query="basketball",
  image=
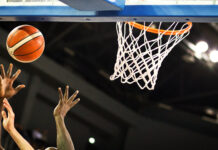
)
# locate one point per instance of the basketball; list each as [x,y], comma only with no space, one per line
[25,43]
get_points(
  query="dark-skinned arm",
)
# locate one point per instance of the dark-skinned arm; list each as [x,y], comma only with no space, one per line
[64,141]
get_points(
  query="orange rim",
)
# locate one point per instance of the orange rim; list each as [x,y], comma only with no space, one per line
[157,31]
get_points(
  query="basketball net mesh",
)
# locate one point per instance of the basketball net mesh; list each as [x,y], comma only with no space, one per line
[141,53]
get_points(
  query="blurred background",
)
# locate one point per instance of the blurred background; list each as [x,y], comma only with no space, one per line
[181,113]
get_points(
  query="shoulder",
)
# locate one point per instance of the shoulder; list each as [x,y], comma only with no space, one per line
[51,148]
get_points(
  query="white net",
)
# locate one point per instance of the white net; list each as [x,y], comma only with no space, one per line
[141,53]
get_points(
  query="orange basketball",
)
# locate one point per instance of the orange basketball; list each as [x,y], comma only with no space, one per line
[25,43]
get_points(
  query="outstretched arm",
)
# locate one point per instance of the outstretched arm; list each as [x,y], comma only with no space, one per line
[8,124]
[64,141]
[6,88]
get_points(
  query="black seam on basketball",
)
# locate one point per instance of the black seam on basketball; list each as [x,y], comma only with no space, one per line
[23,39]
[32,52]
[26,42]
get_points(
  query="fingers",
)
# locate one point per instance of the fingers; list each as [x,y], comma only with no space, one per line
[14,77]
[9,70]
[60,94]
[8,107]
[5,102]
[0,82]
[2,71]
[64,97]
[19,87]
[74,102]
[73,96]
[66,93]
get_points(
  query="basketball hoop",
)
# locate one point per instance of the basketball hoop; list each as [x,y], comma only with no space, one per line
[142,49]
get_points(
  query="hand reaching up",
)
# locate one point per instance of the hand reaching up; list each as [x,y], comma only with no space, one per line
[8,124]
[6,82]
[65,103]
[8,118]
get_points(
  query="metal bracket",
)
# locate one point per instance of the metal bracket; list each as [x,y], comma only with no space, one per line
[96,5]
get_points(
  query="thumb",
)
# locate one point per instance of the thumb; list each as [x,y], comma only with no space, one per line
[19,87]
[4,115]
[0,79]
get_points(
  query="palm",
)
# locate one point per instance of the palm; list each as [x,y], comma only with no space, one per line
[7,90]
[8,118]
[6,83]
[61,109]
[6,123]
[65,103]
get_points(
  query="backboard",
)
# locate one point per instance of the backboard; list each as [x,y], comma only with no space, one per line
[109,10]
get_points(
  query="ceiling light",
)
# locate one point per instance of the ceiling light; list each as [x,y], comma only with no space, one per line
[201,47]
[213,56]
[91,140]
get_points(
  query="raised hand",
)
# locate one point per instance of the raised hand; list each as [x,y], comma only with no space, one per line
[8,120]
[6,82]
[8,124]
[65,103]
[64,141]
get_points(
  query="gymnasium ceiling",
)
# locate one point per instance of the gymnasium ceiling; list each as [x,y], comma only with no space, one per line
[90,49]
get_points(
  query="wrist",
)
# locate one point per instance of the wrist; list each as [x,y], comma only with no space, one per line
[11,130]
[58,117]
